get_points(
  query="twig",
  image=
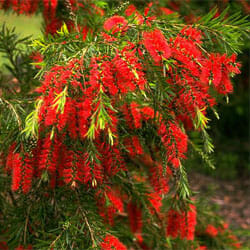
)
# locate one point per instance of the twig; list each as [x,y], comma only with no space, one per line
[90,229]
[14,111]
[26,225]
[86,221]
[56,239]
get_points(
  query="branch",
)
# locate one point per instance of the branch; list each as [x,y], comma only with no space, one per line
[19,121]
[86,221]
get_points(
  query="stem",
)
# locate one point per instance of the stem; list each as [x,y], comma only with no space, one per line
[19,121]
[56,239]
[90,229]
[86,221]
[26,225]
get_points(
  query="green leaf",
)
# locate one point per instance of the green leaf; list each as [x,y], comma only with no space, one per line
[31,121]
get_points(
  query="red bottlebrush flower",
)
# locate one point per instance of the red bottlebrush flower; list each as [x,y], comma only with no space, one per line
[187,229]
[107,38]
[147,113]
[36,57]
[156,202]
[116,24]
[146,10]
[128,70]
[157,179]
[109,203]
[182,223]
[137,145]
[127,115]
[24,6]
[136,114]
[217,69]
[84,31]
[132,10]
[175,142]
[173,223]
[111,242]
[107,78]
[185,50]
[16,172]
[98,174]
[49,10]
[166,11]
[135,217]
[53,25]
[51,117]
[10,158]
[112,161]
[45,154]
[211,230]
[133,145]
[71,112]
[235,242]
[115,200]
[83,113]
[83,169]
[69,167]
[187,122]
[34,6]
[193,34]
[101,76]
[21,7]
[156,44]
[27,174]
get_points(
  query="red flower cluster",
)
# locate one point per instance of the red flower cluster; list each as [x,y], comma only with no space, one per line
[128,70]
[135,219]
[36,58]
[92,117]
[156,202]
[182,223]
[131,10]
[211,230]
[110,242]
[109,203]
[158,180]
[49,9]
[156,45]
[223,232]
[217,68]
[21,169]
[175,148]
[21,7]
[116,24]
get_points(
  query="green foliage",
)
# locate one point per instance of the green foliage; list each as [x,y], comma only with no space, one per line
[31,121]
[228,31]
[14,100]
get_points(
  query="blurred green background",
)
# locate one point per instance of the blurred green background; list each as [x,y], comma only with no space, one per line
[24,26]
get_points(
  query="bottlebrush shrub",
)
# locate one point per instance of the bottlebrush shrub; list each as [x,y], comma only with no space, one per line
[98,163]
